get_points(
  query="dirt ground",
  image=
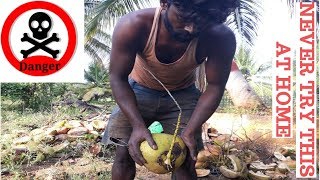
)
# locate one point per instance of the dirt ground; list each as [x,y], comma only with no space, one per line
[84,168]
[79,168]
[88,168]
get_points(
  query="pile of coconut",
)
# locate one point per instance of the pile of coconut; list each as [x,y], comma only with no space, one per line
[63,136]
[223,155]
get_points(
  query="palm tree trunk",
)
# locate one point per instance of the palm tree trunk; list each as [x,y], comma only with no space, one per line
[240,91]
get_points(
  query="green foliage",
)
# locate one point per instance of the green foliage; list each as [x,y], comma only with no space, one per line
[256,74]
[245,21]
[97,74]
[35,96]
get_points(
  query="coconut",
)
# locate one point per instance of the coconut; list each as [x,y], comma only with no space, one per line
[228,145]
[203,156]
[22,140]
[98,124]
[258,165]
[276,175]
[283,168]
[258,175]
[202,172]
[62,130]
[236,163]
[156,158]
[200,165]
[228,172]
[279,156]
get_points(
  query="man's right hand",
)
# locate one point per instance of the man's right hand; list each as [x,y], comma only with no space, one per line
[138,135]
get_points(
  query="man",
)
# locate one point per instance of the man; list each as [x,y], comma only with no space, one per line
[167,44]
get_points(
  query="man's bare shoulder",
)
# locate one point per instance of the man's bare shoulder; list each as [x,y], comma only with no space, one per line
[218,41]
[137,21]
[218,32]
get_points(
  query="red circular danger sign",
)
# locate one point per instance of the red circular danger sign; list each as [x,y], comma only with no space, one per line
[38,65]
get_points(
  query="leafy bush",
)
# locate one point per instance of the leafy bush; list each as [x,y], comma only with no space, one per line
[35,96]
[97,74]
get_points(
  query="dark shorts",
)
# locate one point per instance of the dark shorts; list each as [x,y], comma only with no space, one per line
[154,105]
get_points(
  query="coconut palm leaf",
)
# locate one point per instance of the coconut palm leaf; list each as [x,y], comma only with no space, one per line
[255,72]
[245,21]
[100,17]
[107,12]
[98,47]
[96,75]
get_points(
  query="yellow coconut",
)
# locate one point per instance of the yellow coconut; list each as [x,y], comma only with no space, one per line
[156,158]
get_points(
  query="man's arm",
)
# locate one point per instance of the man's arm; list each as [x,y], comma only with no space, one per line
[218,65]
[126,42]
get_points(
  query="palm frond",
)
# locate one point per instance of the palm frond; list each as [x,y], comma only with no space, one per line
[99,47]
[96,74]
[244,21]
[105,14]
[100,17]
[255,72]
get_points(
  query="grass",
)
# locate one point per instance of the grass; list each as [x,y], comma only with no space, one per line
[14,120]
[23,165]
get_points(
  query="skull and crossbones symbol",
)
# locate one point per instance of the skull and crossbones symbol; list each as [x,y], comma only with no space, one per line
[40,23]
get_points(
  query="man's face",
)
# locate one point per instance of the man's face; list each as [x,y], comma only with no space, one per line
[182,29]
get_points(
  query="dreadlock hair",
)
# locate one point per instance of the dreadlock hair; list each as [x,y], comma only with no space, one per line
[204,11]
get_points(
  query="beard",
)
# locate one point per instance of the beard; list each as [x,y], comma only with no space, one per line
[180,35]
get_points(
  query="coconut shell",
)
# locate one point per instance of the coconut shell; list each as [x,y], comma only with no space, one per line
[228,172]
[283,168]
[73,124]
[88,126]
[60,124]
[291,163]
[78,131]
[43,138]
[22,140]
[202,172]
[201,165]
[213,149]
[279,156]
[98,124]
[236,163]
[63,130]
[51,131]
[94,133]
[276,175]
[61,137]
[258,175]
[258,165]
[19,149]
[203,156]
[60,147]
[95,149]
[36,132]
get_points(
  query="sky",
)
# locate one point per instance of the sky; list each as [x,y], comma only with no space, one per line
[277,25]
